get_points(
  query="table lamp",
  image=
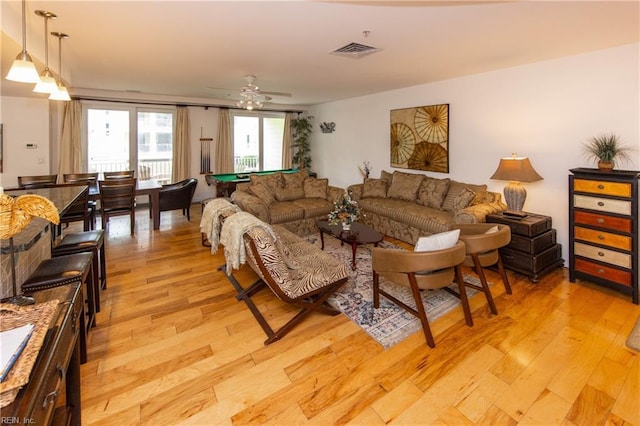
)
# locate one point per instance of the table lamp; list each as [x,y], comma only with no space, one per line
[515,170]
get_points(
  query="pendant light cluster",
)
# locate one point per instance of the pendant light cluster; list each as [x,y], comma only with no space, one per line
[23,69]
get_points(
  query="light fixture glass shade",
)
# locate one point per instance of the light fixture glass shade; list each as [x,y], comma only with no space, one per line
[47,83]
[62,94]
[23,70]
[515,170]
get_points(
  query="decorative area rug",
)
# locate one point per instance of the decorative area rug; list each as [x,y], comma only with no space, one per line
[389,324]
[634,338]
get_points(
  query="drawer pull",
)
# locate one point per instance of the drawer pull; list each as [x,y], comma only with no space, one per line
[600,203]
[601,254]
[50,398]
[600,186]
[601,237]
[600,220]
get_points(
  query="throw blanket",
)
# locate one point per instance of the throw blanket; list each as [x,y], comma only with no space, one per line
[232,239]
[210,222]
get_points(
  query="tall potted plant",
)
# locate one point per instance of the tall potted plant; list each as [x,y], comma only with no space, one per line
[604,149]
[301,132]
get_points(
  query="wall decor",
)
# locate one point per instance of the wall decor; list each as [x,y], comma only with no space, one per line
[327,127]
[420,138]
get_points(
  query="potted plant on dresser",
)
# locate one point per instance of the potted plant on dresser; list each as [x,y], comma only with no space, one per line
[604,149]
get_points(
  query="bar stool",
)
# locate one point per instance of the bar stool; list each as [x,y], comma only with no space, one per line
[63,270]
[82,242]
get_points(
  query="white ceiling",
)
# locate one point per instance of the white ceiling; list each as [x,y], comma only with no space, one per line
[180,48]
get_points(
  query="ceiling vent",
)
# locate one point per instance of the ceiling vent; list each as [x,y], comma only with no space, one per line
[354,50]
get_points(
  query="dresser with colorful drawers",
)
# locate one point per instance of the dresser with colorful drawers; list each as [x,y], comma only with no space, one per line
[603,228]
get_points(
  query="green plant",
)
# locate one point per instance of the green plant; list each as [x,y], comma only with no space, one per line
[301,131]
[606,148]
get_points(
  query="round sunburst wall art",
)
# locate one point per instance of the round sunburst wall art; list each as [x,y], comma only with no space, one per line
[420,138]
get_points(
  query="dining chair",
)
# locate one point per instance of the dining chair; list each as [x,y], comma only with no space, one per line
[122,174]
[423,270]
[117,198]
[79,210]
[90,179]
[26,182]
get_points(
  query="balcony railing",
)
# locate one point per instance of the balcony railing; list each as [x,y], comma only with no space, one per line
[159,169]
[245,164]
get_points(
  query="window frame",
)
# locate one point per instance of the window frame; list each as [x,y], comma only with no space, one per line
[261,115]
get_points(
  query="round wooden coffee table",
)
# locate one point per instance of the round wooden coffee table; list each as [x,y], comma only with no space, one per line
[357,235]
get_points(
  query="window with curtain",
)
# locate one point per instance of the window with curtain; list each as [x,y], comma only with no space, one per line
[129,138]
[257,140]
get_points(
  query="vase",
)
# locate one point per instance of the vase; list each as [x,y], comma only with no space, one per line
[605,166]
[346,226]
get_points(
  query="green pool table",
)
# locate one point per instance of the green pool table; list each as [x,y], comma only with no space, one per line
[226,183]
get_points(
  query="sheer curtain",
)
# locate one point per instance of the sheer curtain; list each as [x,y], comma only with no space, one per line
[224,147]
[71,155]
[181,146]
[287,140]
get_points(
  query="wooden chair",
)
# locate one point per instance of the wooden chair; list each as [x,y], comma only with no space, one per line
[41,181]
[123,174]
[90,179]
[307,286]
[482,252]
[80,210]
[177,196]
[427,270]
[117,198]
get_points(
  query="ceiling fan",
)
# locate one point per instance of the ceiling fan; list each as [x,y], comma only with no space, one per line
[251,96]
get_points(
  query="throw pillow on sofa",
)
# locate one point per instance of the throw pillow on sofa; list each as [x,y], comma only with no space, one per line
[455,188]
[463,199]
[432,192]
[404,186]
[272,181]
[261,191]
[291,188]
[374,188]
[315,188]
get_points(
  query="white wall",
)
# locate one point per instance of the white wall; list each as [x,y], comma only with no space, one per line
[544,111]
[202,123]
[25,120]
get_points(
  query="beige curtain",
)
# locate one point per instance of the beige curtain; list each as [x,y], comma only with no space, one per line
[224,147]
[287,140]
[181,167]
[71,155]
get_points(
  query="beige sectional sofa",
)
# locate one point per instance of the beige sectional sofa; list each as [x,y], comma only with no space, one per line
[293,201]
[409,205]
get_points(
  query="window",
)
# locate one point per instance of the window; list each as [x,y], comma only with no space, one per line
[129,138]
[257,140]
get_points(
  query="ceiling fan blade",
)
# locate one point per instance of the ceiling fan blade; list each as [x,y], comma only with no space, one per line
[265,92]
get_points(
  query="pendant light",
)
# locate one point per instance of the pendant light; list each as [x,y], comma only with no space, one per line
[47,83]
[62,94]
[23,70]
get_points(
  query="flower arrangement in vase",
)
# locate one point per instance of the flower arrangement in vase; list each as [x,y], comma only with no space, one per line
[345,212]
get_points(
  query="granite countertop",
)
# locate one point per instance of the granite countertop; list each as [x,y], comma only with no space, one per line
[62,196]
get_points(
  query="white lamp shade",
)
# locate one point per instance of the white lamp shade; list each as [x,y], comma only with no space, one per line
[62,94]
[47,84]
[23,70]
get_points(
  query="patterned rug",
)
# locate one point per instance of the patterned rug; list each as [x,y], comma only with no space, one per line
[389,324]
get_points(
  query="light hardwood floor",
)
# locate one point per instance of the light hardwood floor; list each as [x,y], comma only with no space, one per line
[173,346]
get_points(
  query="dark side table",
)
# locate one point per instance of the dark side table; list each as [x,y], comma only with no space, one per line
[533,250]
